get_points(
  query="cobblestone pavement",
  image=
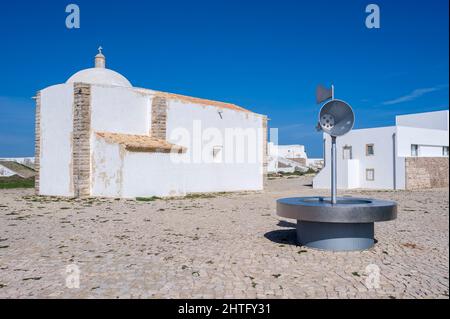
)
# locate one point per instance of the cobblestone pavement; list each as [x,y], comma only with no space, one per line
[213,246]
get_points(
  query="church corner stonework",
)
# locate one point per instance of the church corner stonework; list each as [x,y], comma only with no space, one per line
[159,117]
[265,150]
[37,142]
[81,158]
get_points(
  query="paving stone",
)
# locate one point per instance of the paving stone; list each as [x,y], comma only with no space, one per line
[227,246]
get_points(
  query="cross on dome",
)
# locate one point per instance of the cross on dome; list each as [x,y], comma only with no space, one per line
[100,60]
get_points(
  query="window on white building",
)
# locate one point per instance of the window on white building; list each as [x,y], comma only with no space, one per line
[445,151]
[414,150]
[370,150]
[347,152]
[217,154]
[370,174]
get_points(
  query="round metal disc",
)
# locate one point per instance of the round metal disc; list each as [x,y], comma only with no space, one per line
[346,210]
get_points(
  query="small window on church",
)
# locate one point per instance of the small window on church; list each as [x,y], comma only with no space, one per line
[370,150]
[217,154]
[370,174]
[445,150]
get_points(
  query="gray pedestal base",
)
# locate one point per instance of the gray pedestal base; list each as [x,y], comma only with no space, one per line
[345,225]
[335,236]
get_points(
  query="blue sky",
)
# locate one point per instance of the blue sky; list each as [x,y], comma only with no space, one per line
[267,56]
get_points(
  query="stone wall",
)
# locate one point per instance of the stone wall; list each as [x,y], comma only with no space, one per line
[81,140]
[37,142]
[159,118]
[426,172]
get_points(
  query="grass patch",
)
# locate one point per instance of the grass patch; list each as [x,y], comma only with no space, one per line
[293,174]
[147,199]
[16,182]
[199,195]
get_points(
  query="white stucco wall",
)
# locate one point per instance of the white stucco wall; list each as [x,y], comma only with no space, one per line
[120,173]
[287,151]
[430,141]
[120,110]
[382,161]
[214,177]
[400,182]
[107,162]
[431,120]
[351,170]
[56,141]
[152,174]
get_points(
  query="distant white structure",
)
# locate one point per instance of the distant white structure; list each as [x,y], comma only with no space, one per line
[289,158]
[97,135]
[412,154]
[15,167]
[288,151]
[6,171]
[27,161]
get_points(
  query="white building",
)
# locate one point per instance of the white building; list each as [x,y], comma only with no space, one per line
[97,135]
[412,154]
[285,158]
[295,151]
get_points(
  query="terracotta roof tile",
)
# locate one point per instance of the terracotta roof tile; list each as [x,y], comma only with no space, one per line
[206,102]
[141,143]
[196,100]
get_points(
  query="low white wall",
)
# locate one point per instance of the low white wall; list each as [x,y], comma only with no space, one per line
[272,164]
[348,176]
[56,141]
[350,168]
[152,174]
[286,169]
[107,162]
[119,173]
[400,182]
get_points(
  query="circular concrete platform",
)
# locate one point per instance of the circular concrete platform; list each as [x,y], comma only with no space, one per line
[346,225]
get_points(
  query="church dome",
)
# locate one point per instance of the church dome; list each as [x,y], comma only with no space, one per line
[100,75]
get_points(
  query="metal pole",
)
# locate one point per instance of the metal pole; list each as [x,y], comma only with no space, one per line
[394,157]
[333,170]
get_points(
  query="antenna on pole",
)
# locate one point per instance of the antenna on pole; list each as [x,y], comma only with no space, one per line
[336,118]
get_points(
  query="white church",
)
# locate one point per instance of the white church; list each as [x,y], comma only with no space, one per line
[98,136]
